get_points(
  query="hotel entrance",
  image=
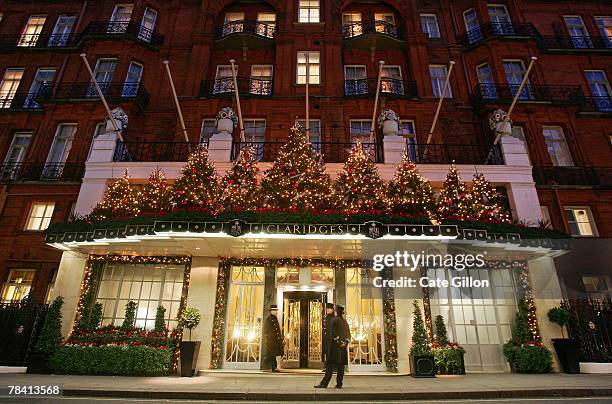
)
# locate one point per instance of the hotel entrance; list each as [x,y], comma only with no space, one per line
[303,313]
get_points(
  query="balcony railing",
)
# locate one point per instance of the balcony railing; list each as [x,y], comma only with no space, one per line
[498,29]
[61,172]
[388,87]
[577,43]
[569,176]
[332,152]
[20,102]
[452,153]
[39,41]
[357,29]
[505,93]
[155,151]
[224,87]
[124,29]
[114,92]
[597,105]
[249,27]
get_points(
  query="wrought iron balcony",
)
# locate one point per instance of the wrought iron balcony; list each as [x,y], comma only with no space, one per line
[494,93]
[224,87]
[58,172]
[331,152]
[39,41]
[572,176]
[388,87]
[596,105]
[155,151]
[435,153]
[20,102]
[374,33]
[576,43]
[124,29]
[498,30]
[115,92]
[246,27]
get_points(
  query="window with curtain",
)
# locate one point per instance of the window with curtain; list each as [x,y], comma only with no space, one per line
[309,11]
[31,32]
[580,221]
[556,145]
[429,25]
[438,75]
[308,65]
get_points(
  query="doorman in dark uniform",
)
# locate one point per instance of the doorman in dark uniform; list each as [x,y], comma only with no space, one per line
[327,325]
[336,357]
[272,340]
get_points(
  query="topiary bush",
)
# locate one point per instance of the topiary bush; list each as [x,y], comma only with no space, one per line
[561,317]
[420,342]
[50,337]
[160,320]
[532,358]
[130,315]
[190,318]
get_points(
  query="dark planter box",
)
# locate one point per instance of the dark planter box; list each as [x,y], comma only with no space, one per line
[422,366]
[189,357]
[38,363]
[568,352]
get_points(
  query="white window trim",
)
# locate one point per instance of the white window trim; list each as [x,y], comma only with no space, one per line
[25,149]
[271,66]
[307,77]
[435,17]
[567,149]
[450,86]
[46,204]
[299,8]
[590,216]
[364,68]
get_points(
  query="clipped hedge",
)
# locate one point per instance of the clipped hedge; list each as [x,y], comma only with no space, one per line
[112,360]
[529,358]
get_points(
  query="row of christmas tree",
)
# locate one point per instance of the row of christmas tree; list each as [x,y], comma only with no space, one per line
[298,182]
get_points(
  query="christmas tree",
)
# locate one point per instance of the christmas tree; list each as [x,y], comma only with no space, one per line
[359,186]
[156,195]
[198,186]
[119,201]
[409,192]
[240,191]
[486,201]
[455,200]
[420,344]
[297,181]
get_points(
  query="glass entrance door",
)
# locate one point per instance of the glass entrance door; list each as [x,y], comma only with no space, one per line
[303,328]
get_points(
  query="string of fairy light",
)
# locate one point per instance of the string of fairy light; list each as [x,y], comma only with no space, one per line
[298,182]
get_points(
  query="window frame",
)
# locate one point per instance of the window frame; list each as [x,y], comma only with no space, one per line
[435,21]
[309,19]
[32,42]
[591,222]
[449,90]
[7,96]
[564,145]
[43,219]
[8,283]
[308,64]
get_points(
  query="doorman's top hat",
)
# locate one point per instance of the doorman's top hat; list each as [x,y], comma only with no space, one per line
[273,307]
[339,309]
[329,305]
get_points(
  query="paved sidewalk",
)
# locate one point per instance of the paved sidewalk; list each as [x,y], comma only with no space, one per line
[292,387]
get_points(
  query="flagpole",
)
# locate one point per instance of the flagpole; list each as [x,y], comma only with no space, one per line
[378,84]
[176,101]
[238,106]
[99,90]
[308,95]
[498,134]
[438,109]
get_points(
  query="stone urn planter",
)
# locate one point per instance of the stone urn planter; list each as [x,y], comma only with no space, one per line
[226,120]
[389,123]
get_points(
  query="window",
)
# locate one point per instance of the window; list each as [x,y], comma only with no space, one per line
[557,146]
[360,130]
[15,155]
[546,220]
[149,285]
[500,20]
[515,72]
[600,89]
[41,83]
[308,11]
[488,89]
[391,81]
[32,30]
[315,132]
[385,23]
[62,30]
[429,25]
[261,79]
[147,26]
[604,25]
[580,221]
[577,31]
[255,131]
[245,315]
[351,25]
[208,130]
[8,86]
[234,22]
[438,75]
[122,15]
[224,81]
[472,26]
[18,285]
[266,24]
[40,216]
[595,283]
[132,80]
[308,66]
[407,130]
[104,71]
[355,80]
[58,154]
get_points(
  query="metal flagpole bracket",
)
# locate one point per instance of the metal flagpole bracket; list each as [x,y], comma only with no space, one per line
[381,64]
[102,97]
[176,101]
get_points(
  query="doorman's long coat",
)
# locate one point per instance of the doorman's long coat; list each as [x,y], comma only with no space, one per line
[272,337]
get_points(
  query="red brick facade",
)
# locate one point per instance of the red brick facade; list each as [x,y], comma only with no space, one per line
[191,43]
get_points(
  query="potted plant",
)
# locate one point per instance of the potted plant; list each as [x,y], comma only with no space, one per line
[567,349]
[389,122]
[421,357]
[448,355]
[190,318]
[49,340]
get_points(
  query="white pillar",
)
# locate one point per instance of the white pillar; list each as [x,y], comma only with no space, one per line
[92,192]
[103,148]
[68,285]
[514,151]
[220,147]
[394,147]
[524,202]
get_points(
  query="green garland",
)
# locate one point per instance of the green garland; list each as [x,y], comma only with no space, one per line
[390,323]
